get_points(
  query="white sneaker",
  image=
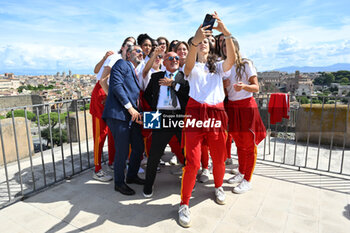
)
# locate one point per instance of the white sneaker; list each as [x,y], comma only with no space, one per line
[184,216]
[236,179]
[235,171]
[243,187]
[220,196]
[141,171]
[173,160]
[161,162]
[177,171]
[110,168]
[102,176]
[204,176]
[229,161]
[144,161]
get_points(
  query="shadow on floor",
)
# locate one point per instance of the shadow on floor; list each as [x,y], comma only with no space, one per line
[101,201]
[315,179]
[346,212]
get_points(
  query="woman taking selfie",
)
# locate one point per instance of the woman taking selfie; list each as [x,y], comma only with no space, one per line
[205,77]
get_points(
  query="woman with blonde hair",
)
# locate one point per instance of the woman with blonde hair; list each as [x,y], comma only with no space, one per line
[245,124]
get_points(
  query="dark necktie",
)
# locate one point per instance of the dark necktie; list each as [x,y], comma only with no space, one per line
[138,101]
[172,93]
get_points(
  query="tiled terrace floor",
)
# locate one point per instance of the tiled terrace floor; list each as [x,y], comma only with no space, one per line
[282,200]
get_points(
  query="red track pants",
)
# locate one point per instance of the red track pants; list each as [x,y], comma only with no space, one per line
[246,151]
[176,149]
[100,131]
[193,141]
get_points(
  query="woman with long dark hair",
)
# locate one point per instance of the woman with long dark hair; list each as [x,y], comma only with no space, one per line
[205,77]
[164,43]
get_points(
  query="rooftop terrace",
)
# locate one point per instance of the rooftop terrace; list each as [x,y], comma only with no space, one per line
[298,186]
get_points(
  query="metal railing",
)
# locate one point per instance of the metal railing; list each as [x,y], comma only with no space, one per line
[29,169]
[290,144]
[44,150]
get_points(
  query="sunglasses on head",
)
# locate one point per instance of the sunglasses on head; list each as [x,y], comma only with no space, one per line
[172,58]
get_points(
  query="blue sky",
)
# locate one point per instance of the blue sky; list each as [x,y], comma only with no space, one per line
[62,35]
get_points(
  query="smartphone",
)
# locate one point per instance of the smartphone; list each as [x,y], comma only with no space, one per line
[209,20]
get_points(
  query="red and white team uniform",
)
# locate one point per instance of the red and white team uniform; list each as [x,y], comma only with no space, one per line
[245,124]
[205,103]
[100,128]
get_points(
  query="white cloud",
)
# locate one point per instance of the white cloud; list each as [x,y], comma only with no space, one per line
[76,35]
[29,56]
[297,43]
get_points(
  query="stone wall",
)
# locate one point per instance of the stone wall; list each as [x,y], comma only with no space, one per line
[73,126]
[9,140]
[325,128]
[19,101]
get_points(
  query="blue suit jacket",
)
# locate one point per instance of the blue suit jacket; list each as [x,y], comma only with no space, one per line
[123,88]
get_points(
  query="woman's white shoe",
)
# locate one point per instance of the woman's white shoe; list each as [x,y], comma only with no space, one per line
[243,187]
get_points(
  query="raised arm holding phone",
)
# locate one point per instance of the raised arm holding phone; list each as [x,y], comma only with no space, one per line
[205,77]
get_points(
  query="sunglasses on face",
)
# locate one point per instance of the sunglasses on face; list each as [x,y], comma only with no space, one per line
[172,58]
[160,56]
[163,43]
[138,51]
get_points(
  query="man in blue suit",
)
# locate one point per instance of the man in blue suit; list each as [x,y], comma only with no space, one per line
[122,116]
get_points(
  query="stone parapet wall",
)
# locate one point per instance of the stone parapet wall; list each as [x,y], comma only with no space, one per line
[73,126]
[20,101]
[9,140]
[323,127]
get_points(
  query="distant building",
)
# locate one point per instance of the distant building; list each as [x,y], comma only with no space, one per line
[9,75]
[5,84]
[343,90]
[297,83]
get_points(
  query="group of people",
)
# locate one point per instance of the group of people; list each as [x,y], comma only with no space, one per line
[202,80]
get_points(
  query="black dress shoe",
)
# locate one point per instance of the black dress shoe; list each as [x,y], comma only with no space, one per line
[136,180]
[124,189]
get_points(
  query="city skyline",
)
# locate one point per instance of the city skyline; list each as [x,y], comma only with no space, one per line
[66,35]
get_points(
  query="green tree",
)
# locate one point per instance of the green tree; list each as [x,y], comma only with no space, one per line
[55,136]
[303,100]
[44,119]
[20,113]
[316,101]
[20,89]
[45,133]
[30,87]
[341,74]
[327,92]
[86,107]
[329,78]
[333,89]
[318,81]
[41,87]
[344,81]
[2,117]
